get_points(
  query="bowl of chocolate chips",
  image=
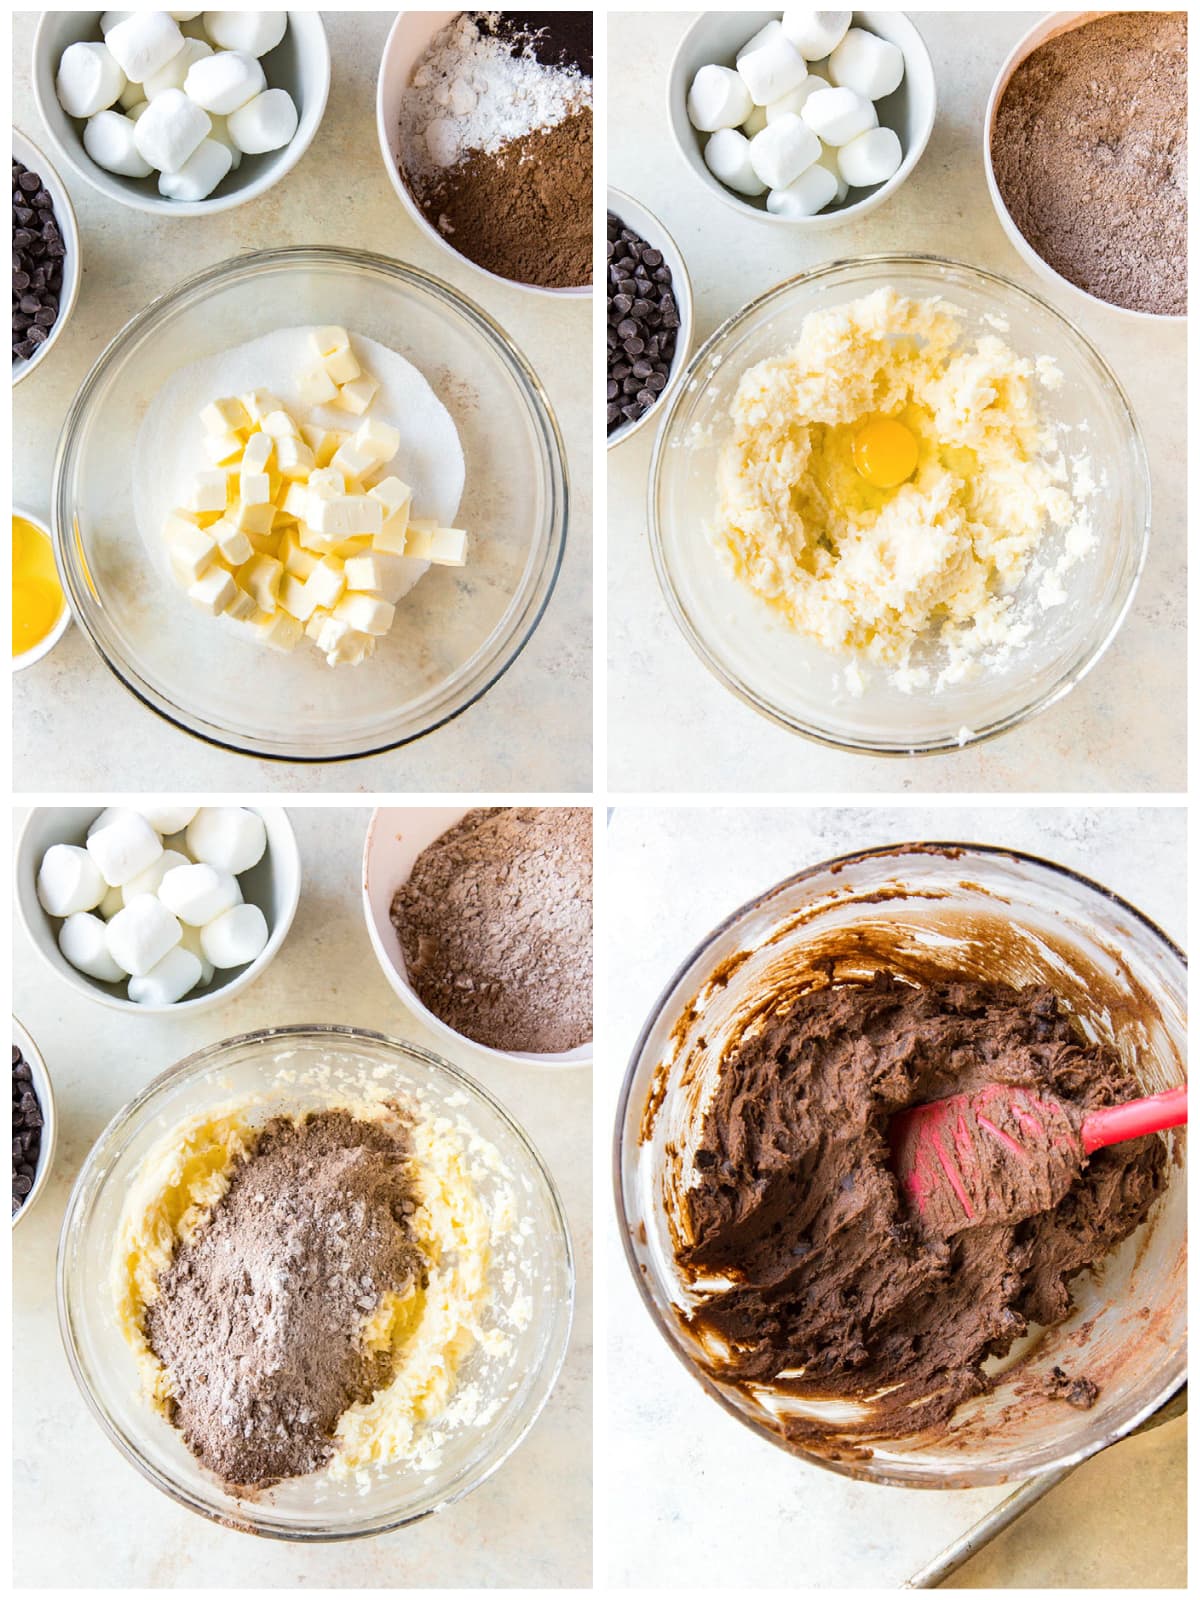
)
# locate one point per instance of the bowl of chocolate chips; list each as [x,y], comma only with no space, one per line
[33,1123]
[649,316]
[45,251]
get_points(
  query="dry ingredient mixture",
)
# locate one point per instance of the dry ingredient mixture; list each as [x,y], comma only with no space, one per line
[832,1292]
[496,142]
[1089,150]
[258,1319]
[495,924]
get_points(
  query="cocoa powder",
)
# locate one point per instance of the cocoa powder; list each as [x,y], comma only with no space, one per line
[524,211]
[258,1318]
[495,922]
[1089,151]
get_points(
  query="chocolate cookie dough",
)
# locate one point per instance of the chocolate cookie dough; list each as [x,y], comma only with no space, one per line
[833,1293]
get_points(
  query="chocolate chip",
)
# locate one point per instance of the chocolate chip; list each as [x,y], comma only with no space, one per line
[642,319]
[38,252]
[27,1125]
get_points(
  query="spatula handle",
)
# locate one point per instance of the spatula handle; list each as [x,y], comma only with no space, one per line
[1113,1124]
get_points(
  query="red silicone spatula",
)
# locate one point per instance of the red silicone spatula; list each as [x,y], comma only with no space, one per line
[1004,1153]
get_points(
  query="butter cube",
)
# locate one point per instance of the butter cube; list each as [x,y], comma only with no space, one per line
[264,544]
[214,592]
[428,542]
[351,459]
[254,488]
[225,416]
[261,577]
[377,441]
[332,347]
[357,395]
[345,516]
[346,548]
[279,425]
[242,607]
[222,449]
[315,623]
[191,547]
[327,483]
[379,573]
[278,631]
[208,492]
[325,583]
[342,644]
[256,457]
[395,498]
[323,442]
[252,518]
[259,403]
[366,613]
[297,561]
[231,541]
[295,598]
[294,457]
[295,500]
[317,388]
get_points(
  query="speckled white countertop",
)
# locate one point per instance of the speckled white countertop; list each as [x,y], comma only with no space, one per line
[83,1517]
[690,1497]
[532,731]
[672,727]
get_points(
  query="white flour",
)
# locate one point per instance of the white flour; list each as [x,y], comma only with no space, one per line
[469,92]
[169,450]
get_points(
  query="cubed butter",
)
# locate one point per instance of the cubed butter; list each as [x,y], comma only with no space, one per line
[294,457]
[222,449]
[256,457]
[261,577]
[345,516]
[191,547]
[366,613]
[317,388]
[254,488]
[213,592]
[251,518]
[279,425]
[225,416]
[377,441]
[259,403]
[357,394]
[207,493]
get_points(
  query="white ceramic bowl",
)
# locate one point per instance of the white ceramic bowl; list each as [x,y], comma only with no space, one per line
[44,646]
[273,885]
[45,1093]
[409,38]
[1054,22]
[28,154]
[396,836]
[635,215]
[717,36]
[299,63]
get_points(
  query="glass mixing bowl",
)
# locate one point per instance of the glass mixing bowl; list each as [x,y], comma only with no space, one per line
[306,1068]
[455,632]
[792,680]
[992,914]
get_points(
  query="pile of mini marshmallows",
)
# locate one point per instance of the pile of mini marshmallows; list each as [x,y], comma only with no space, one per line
[803,135]
[190,106]
[297,529]
[154,897]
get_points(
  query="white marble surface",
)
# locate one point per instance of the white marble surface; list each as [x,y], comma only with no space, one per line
[687,1496]
[532,731]
[672,727]
[83,1517]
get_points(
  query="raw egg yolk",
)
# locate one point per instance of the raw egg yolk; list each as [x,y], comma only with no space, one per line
[885,452]
[37,598]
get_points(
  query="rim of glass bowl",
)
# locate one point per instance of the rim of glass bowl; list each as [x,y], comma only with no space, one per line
[508,637]
[848,1468]
[1067,680]
[93,1171]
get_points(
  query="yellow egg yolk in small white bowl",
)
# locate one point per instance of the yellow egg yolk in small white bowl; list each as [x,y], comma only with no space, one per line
[39,609]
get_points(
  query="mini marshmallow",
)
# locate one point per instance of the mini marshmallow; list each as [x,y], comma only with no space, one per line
[124,847]
[109,19]
[108,138]
[227,836]
[174,74]
[89,79]
[838,115]
[755,122]
[872,66]
[175,975]
[199,175]
[783,150]
[135,111]
[718,98]
[114,899]
[236,937]
[255,32]
[816,33]
[141,934]
[170,129]
[727,157]
[770,65]
[143,43]
[267,122]
[103,818]
[68,880]
[811,192]
[185,16]
[829,160]
[220,132]
[131,95]
[83,940]
[169,819]
[873,157]
[196,892]
[191,941]
[797,98]
[150,881]
[224,81]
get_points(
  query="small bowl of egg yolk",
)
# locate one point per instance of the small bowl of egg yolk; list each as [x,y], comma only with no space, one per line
[40,614]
